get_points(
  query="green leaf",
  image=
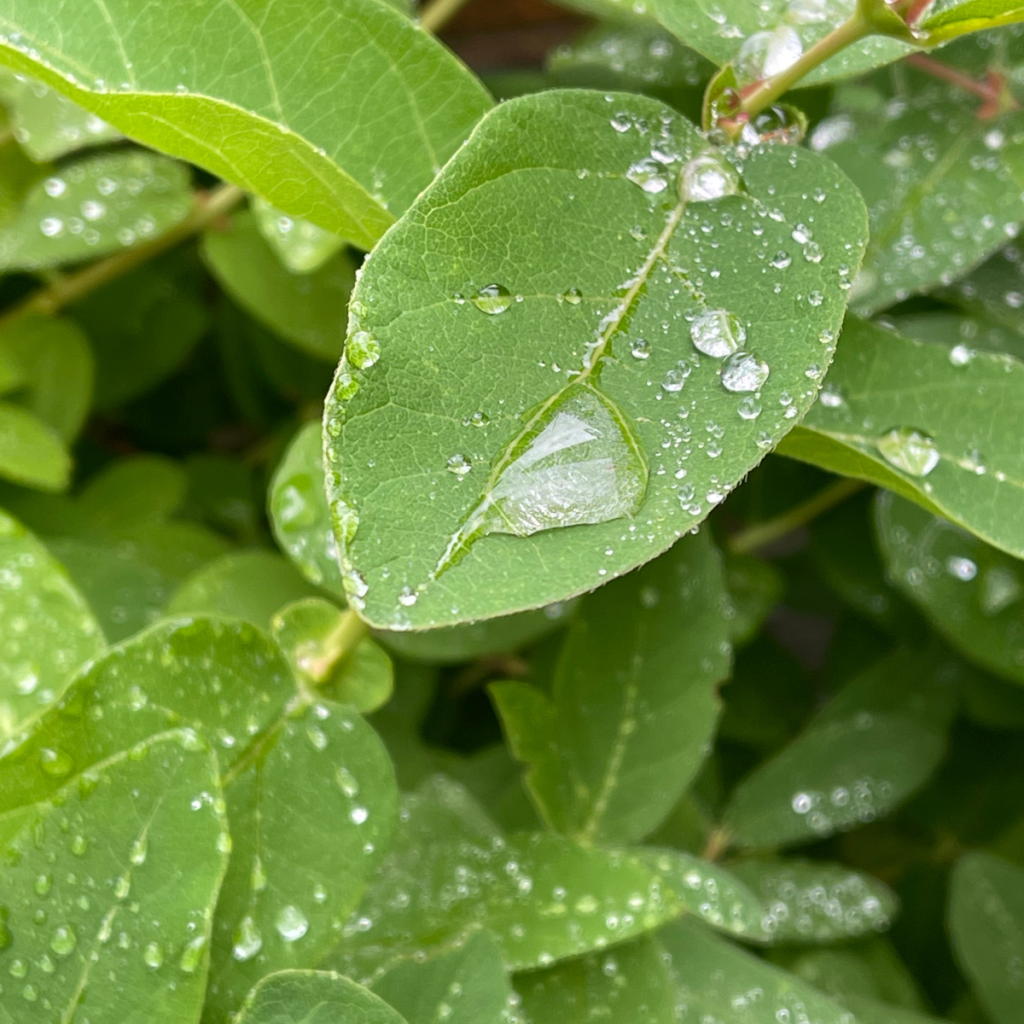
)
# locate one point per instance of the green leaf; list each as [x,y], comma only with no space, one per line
[965,333]
[248,585]
[624,11]
[224,679]
[99,205]
[109,887]
[630,983]
[766,38]
[17,175]
[950,20]
[286,101]
[298,243]
[986,925]
[466,986]
[427,455]
[717,981]
[46,626]
[811,901]
[972,593]
[933,173]
[307,632]
[159,302]
[755,588]
[299,513]
[46,124]
[635,699]
[874,744]
[314,997]
[994,292]
[307,310]
[312,810]
[55,370]
[923,422]
[31,451]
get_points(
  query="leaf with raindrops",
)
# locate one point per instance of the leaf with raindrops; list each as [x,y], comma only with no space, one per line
[306,310]
[46,124]
[634,702]
[943,183]
[109,884]
[46,628]
[95,206]
[317,997]
[927,422]
[986,924]
[312,809]
[289,116]
[631,982]
[765,39]
[299,244]
[466,986]
[972,593]
[875,743]
[717,981]
[647,382]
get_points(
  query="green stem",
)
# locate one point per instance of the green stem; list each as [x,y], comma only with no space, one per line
[337,646]
[771,89]
[717,845]
[758,536]
[438,13]
[51,299]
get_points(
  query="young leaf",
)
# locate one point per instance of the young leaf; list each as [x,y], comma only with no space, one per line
[46,124]
[248,585]
[766,38]
[110,917]
[631,983]
[972,593]
[635,699]
[932,172]
[906,415]
[466,986]
[31,451]
[986,925]
[640,377]
[875,743]
[336,110]
[312,810]
[98,205]
[316,997]
[811,901]
[299,514]
[307,310]
[717,981]
[298,243]
[952,20]
[47,628]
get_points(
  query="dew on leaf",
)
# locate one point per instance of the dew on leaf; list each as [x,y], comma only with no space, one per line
[707,177]
[64,940]
[362,350]
[717,333]
[571,295]
[247,940]
[492,299]
[55,762]
[640,349]
[291,923]
[153,956]
[459,465]
[909,450]
[744,371]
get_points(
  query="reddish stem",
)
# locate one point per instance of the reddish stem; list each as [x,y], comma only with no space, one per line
[993,92]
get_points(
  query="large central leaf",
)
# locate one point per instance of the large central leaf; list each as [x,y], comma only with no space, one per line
[571,348]
[338,110]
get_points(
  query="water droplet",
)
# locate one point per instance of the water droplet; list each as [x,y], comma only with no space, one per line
[247,940]
[572,295]
[258,875]
[909,450]
[744,371]
[676,377]
[962,568]
[960,355]
[43,884]
[640,349]
[362,350]
[64,940]
[493,299]
[79,845]
[291,924]
[802,803]
[140,848]
[459,465]
[649,175]
[192,954]
[358,815]
[153,956]
[577,460]
[346,781]
[55,762]
[407,597]
[709,176]
[781,260]
[749,408]
[717,333]
[476,419]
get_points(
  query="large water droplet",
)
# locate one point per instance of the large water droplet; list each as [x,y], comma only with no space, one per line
[909,450]
[291,924]
[744,371]
[247,940]
[153,956]
[709,176]
[55,762]
[576,461]
[493,299]
[717,333]
[649,175]
[362,350]
[64,940]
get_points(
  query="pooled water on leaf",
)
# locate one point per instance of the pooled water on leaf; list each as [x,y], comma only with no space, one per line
[576,461]
[909,450]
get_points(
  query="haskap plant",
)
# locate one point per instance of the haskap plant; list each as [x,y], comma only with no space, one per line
[459,688]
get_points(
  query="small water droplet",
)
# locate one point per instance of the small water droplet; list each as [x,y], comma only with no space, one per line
[909,450]
[247,940]
[459,465]
[493,299]
[362,350]
[572,295]
[55,762]
[153,956]
[717,333]
[139,851]
[640,349]
[64,940]
[291,924]
[707,177]
[744,371]
[346,781]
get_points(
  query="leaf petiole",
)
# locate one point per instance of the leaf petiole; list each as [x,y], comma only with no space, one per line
[337,646]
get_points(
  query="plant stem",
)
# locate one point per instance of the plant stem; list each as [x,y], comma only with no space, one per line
[337,646]
[758,536]
[437,13]
[716,846]
[993,92]
[64,291]
[765,93]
